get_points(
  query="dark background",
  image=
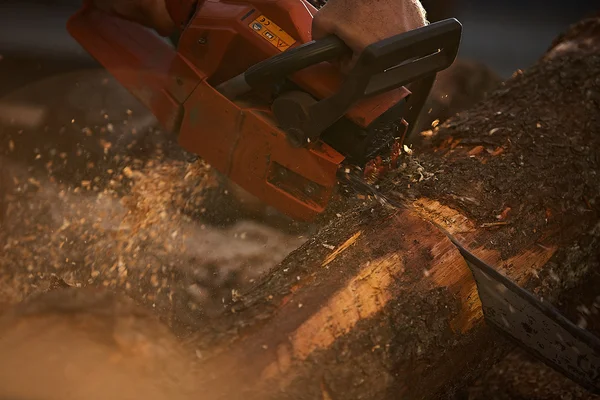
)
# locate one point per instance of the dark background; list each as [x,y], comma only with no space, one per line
[505,34]
[512,34]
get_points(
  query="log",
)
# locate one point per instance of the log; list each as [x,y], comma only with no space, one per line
[379,304]
[392,311]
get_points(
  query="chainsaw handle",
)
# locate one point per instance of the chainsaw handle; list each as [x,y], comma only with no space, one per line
[293,60]
[405,58]
[371,69]
[413,57]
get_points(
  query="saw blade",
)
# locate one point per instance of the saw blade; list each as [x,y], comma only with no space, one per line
[535,325]
[532,324]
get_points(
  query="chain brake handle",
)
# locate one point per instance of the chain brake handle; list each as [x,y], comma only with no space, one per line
[412,58]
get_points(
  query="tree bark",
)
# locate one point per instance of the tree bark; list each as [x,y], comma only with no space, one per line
[379,304]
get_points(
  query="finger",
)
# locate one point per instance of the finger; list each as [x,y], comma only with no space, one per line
[347,63]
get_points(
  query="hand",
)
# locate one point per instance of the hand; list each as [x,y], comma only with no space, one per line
[150,13]
[360,23]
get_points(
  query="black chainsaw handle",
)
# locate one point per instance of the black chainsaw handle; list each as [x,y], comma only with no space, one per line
[382,66]
[405,58]
[284,64]
[412,58]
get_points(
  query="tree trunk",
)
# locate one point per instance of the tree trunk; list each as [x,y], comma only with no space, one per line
[379,304]
[392,311]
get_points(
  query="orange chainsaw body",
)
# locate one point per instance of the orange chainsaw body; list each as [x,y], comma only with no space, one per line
[239,138]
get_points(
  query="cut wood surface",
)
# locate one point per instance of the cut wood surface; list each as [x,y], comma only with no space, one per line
[379,304]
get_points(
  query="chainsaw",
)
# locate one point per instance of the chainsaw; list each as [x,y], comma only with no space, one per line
[251,93]
[248,91]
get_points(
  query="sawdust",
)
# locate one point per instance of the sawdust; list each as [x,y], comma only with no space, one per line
[155,191]
[142,243]
[96,196]
[88,236]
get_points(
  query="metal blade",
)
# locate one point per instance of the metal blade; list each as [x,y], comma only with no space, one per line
[536,326]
